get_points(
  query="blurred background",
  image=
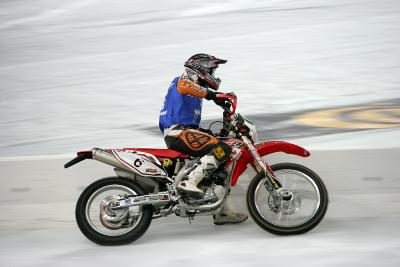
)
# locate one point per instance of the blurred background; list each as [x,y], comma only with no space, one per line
[92,73]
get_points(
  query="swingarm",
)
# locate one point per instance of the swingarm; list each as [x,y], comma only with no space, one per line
[151,199]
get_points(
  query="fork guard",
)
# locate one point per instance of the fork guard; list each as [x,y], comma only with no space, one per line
[263,149]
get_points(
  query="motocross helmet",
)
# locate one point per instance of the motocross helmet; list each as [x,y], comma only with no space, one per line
[203,66]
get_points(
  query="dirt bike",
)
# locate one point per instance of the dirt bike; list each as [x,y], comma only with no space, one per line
[283,199]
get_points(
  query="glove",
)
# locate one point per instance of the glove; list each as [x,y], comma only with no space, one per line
[220,102]
[212,95]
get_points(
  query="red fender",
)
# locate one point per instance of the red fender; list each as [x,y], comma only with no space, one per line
[266,148]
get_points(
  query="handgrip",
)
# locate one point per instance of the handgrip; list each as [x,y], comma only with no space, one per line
[232,100]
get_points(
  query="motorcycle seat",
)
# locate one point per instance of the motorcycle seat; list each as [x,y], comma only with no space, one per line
[160,152]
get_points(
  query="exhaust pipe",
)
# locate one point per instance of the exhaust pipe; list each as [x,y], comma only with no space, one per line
[108,158]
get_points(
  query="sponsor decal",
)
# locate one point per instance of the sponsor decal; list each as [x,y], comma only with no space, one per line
[150,198]
[197,113]
[166,162]
[150,170]
[219,152]
[137,163]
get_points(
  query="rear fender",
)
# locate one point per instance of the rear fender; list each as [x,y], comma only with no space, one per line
[263,149]
[81,155]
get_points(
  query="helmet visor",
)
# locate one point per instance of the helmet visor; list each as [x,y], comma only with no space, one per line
[220,61]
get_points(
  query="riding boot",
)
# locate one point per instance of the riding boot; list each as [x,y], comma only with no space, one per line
[229,216]
[208,164]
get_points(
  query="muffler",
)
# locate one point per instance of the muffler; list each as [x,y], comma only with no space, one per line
[108,158]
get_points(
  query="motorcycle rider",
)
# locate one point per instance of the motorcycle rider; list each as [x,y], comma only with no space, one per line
[180,118]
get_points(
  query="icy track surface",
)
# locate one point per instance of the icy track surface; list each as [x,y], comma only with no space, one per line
[37,224]
[83,73]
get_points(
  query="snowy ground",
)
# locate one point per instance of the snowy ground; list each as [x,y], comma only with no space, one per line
[83,73]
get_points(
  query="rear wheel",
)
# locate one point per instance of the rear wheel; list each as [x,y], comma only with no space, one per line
[102,224]
[301,213]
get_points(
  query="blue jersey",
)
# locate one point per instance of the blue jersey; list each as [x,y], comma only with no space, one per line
[180,109]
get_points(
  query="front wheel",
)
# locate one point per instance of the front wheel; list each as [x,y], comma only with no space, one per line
[301,213]
[100,222]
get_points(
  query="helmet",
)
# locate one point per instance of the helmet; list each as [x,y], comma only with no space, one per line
[203,66]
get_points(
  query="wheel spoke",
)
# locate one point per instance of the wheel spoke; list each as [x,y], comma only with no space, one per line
[106,222]
[299,210]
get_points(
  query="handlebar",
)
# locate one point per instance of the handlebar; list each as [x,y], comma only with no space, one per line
[232,103]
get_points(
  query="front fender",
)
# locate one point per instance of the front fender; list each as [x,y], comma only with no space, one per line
[270,147]
[263,149]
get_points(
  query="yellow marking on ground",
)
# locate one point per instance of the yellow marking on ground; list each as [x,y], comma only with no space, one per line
[396,111]
[332,118]
[382,115]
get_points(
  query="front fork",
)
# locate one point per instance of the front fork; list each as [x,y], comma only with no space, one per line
[277,191]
